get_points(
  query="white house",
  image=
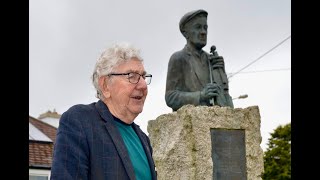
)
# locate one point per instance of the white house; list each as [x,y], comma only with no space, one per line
[42,135]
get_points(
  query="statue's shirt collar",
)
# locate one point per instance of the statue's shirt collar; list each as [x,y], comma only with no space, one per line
[193,51]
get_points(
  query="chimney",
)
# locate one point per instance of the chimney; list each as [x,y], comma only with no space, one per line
[47,114]
[51,118]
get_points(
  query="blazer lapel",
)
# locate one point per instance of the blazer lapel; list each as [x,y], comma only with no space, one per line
[116,138]
[122,150]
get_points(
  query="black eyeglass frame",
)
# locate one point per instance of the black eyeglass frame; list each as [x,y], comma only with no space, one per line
[128,76]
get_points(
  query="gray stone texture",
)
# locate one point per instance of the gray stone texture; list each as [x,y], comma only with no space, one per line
[181,140]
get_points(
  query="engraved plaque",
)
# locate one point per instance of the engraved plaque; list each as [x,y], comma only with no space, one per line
[228,154]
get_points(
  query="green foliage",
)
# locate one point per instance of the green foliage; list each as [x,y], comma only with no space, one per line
[277,157]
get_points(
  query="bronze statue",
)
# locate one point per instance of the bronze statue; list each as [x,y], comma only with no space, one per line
[195,76]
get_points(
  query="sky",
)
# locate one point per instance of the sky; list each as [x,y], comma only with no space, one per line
[66,37]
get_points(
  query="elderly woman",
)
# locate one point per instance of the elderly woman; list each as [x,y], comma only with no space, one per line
[100,140]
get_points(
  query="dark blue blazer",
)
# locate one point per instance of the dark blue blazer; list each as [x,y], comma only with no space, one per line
[89,146]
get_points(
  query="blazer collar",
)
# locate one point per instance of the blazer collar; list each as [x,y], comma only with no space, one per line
[116,137]
[103,111]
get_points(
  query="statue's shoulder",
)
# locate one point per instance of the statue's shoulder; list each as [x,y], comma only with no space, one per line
[208,54]
[179,55]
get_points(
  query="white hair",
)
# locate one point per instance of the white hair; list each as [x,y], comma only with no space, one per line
[113,56]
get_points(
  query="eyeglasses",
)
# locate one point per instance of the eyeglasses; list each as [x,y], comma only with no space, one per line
[134,77]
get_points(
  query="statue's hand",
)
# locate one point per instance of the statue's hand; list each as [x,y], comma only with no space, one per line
[209,91]
[217,61]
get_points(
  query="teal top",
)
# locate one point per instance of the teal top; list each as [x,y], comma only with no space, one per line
[136,152]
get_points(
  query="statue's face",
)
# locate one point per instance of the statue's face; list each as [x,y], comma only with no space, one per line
[196,31]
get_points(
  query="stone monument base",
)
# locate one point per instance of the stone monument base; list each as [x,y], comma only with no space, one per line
[182,143]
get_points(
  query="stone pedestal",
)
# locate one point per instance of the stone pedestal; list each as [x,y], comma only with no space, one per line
[181,141]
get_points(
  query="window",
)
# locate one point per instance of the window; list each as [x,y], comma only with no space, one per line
[39,174]
[37,177]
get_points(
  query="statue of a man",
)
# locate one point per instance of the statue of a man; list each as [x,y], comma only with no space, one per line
[195,76]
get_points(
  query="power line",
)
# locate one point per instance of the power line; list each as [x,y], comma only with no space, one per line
[260,57]
[268,70]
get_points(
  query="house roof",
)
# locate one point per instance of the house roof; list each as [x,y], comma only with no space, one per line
[37,135]
[40,152]
[45,128]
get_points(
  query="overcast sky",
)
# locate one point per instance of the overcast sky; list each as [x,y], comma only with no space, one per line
[67,36]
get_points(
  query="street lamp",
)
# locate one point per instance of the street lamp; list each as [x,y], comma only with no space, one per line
[241,97]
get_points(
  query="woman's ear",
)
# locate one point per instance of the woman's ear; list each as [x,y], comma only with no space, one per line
[103,84]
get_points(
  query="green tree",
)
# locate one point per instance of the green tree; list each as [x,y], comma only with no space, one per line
[277,157]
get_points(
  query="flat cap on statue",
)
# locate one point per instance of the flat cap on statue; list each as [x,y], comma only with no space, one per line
[188,16]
